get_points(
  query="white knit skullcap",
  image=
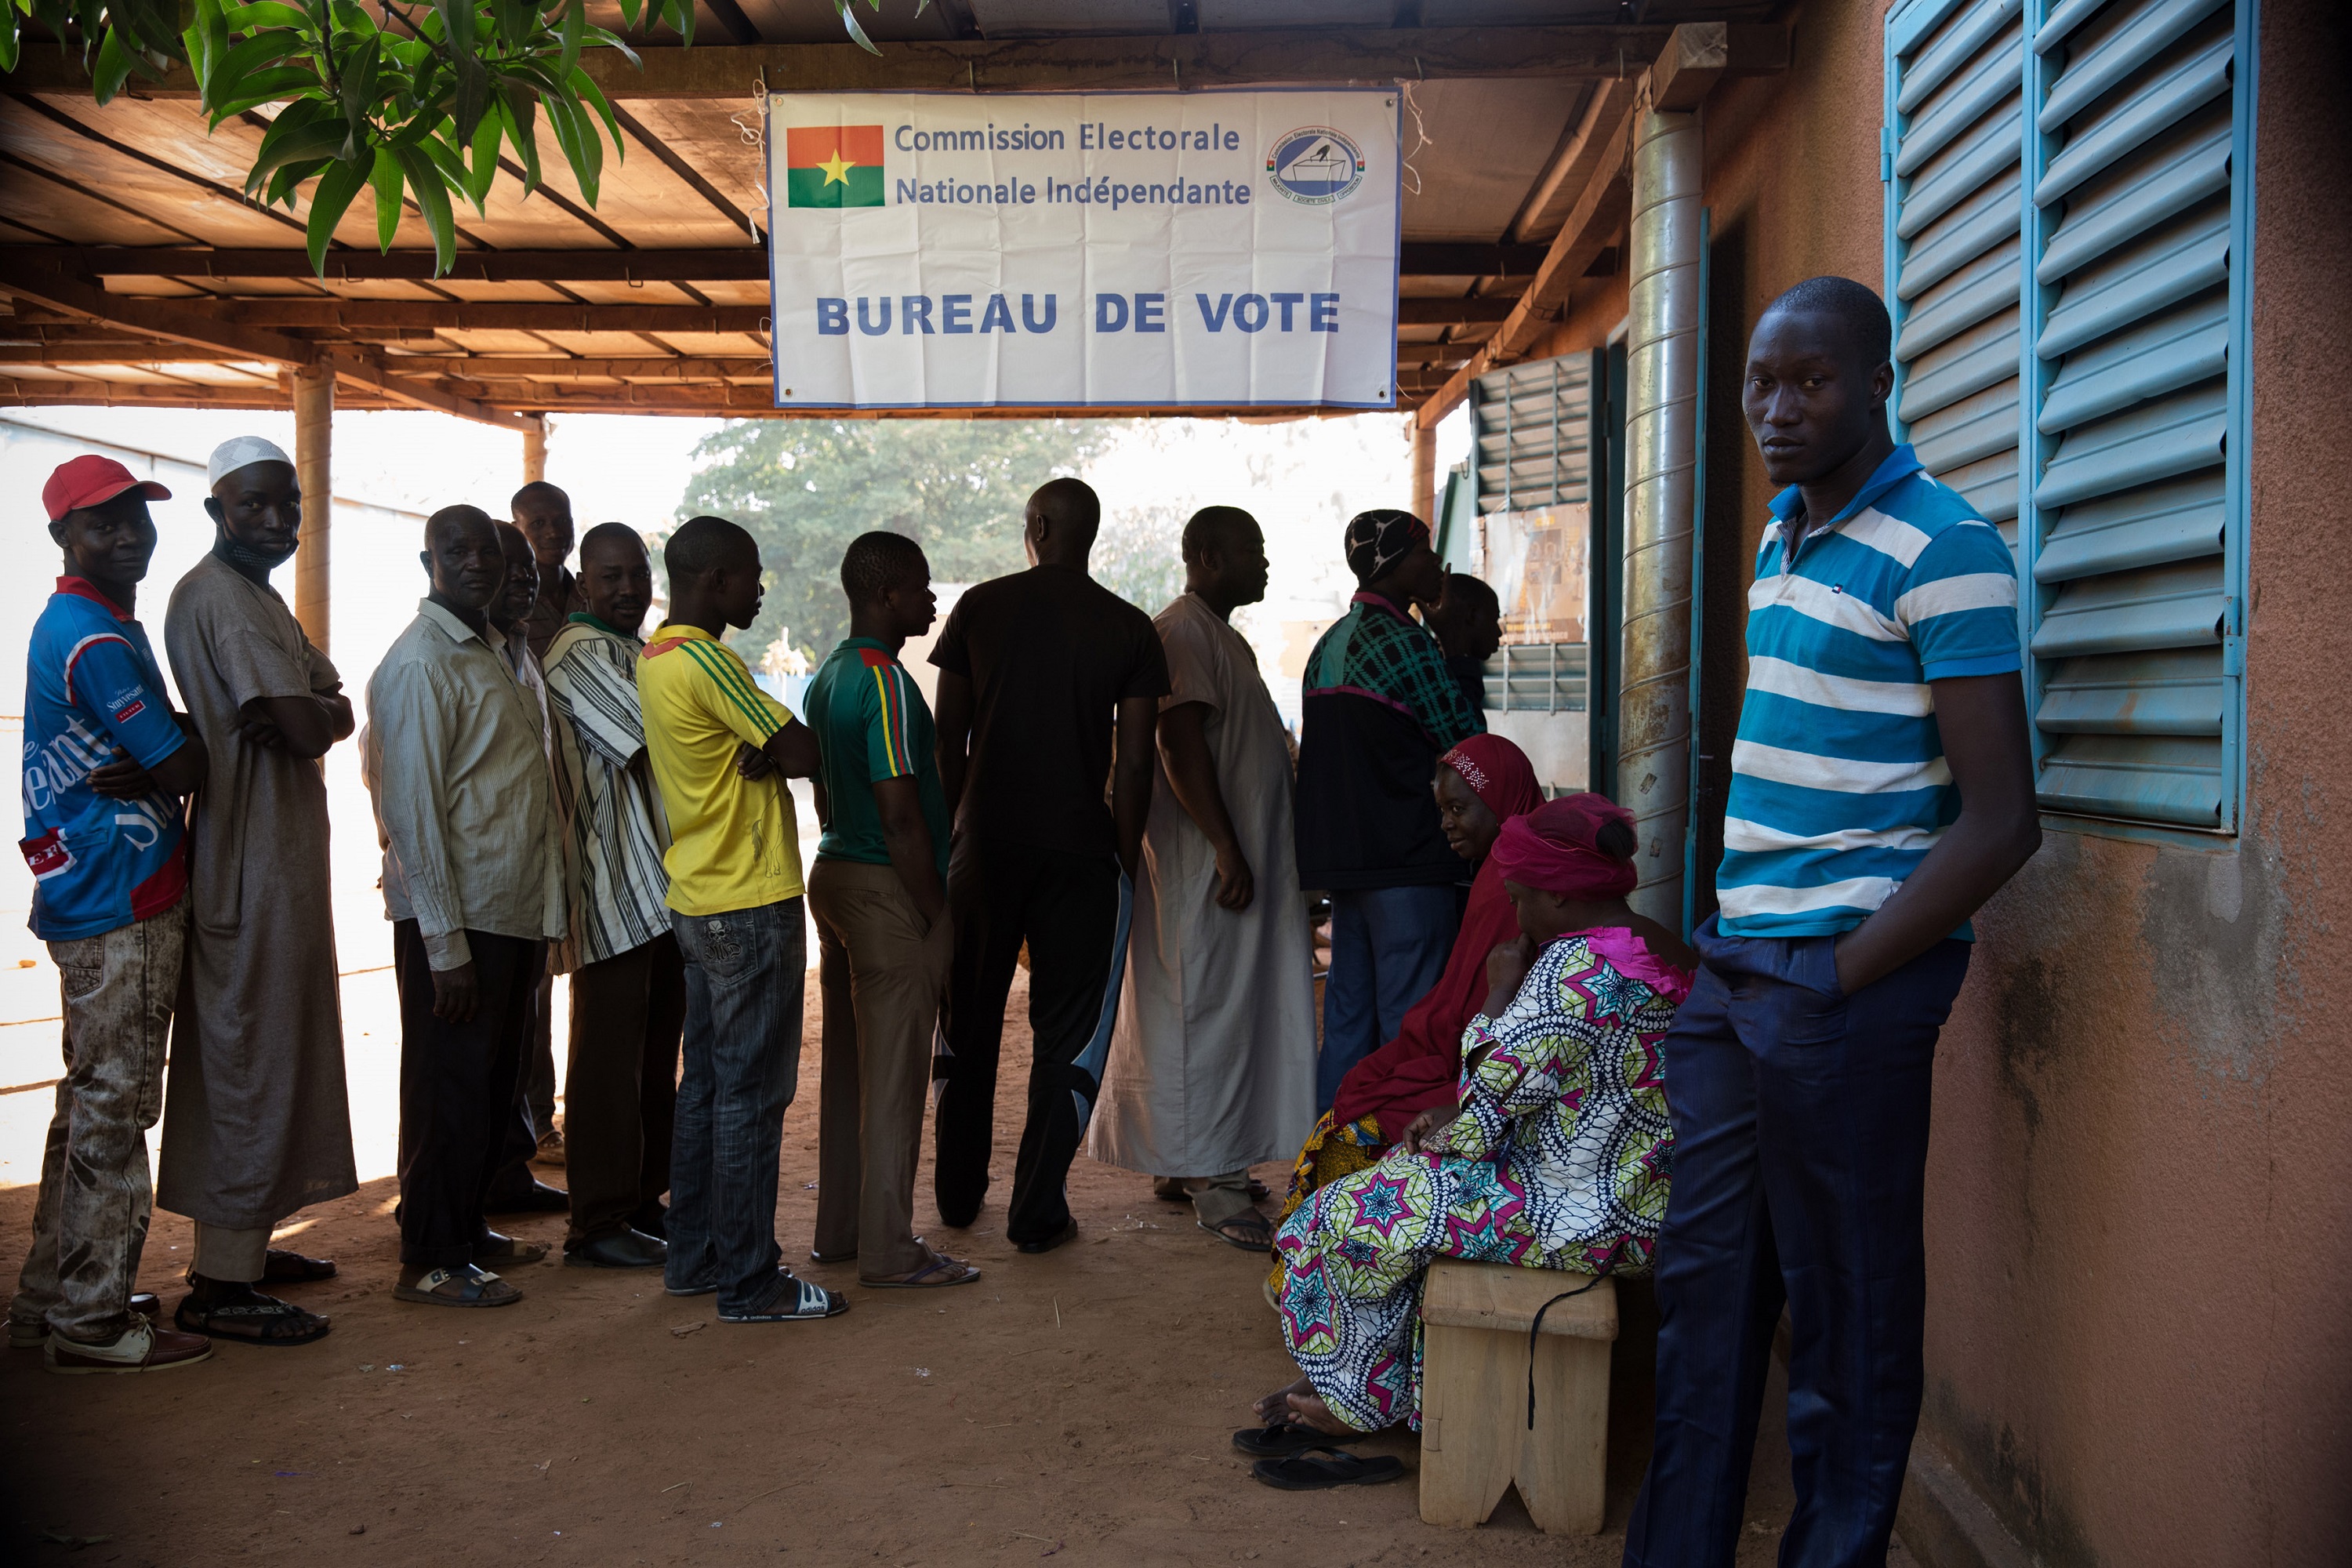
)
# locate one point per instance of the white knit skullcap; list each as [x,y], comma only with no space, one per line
[231,456]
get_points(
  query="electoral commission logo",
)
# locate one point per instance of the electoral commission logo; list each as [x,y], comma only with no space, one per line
[1315,165]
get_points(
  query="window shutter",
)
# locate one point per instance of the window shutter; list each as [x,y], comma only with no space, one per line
[1533,424]
[2064,241]
[2130,513]
[1956,79]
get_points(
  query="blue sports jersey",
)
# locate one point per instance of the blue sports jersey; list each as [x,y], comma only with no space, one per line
[92,689]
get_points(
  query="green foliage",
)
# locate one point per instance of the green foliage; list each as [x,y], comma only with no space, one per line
[856,33]
[1139,554]
[805,488]
[418,106]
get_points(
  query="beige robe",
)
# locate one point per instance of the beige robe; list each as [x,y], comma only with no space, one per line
[256,1122]
[1212,1064]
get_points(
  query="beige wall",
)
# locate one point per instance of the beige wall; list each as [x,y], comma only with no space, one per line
[2140,1340]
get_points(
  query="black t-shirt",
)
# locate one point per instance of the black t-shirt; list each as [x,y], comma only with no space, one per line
[1050,653]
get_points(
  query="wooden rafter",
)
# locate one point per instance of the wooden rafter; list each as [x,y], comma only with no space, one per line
[744,263]
[170,320]
[1244,59]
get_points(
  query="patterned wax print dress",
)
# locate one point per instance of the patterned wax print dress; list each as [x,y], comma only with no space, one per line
[1559,1160]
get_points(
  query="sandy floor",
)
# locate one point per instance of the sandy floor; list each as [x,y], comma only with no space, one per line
[1077,1404]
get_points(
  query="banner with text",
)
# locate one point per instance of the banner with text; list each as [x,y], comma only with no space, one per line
[1118,250]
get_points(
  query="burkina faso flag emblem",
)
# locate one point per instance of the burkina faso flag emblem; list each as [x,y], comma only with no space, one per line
[833,166]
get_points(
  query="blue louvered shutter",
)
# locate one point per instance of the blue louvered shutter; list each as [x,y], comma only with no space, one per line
[1955,79]
[2132,616]
[2062,201]
[1532,426]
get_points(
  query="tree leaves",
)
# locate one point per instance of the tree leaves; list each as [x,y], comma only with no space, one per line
[805,488]
[421,106]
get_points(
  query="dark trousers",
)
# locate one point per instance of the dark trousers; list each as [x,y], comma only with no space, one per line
[1389,946]
[512,1177]
[539,1063]
[1801,1153]
[619,1092]
[745,972]
[1072,911]
[456,1090]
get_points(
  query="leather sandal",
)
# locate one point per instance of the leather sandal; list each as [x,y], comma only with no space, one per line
[462,1286]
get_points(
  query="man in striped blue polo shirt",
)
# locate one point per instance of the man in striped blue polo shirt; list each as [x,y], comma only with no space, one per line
[1882,790]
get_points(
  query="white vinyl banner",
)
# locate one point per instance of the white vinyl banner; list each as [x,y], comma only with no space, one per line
[1118,250]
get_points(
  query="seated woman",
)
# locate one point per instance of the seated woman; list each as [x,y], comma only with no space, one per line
[1555,1156]
[1480,784]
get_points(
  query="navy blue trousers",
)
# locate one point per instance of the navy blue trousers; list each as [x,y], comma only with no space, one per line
[1801,1154]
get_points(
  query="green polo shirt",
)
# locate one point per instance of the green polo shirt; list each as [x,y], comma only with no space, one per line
[872,723]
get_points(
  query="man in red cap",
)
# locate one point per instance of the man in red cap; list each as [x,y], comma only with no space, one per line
[106,762]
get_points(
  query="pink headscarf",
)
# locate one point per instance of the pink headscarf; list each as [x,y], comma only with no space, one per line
[1556,848]
[1498,772]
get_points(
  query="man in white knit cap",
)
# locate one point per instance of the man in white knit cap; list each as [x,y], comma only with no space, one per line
[256,1121]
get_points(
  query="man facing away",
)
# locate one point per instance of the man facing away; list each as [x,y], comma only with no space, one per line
[719,744]
[1467,621]
[878,893]
[1882,790]
[257,1121]
[1035,671]
[1379,708]
[628,983]
[1212,1062]
[530,1132]
[473,883]
[106,762]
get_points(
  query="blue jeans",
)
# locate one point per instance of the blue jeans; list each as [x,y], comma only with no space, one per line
[1388,945]
[744,973]
[1801,1155]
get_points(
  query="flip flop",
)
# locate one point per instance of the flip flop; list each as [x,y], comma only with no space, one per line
[1260,1240]
[921,1280]
[1281,1439]
[1304,1472]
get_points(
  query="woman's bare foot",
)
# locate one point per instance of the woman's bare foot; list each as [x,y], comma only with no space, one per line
[1275,1406]
[1308,1410]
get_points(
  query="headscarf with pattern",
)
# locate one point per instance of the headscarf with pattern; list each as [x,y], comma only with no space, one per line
[1379,539]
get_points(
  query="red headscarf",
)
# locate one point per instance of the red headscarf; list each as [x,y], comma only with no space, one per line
[1417,1070]
[1556,848]
[1498,772]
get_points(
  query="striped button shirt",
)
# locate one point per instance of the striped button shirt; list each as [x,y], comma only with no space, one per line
[1838,786]
[604,791]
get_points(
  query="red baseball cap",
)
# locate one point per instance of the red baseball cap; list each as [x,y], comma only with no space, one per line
[92,480]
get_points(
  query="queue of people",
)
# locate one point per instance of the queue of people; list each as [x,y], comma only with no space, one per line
[1514,1066]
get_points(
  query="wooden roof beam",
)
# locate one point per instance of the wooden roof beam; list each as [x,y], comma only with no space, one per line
[168,319]
[725,264]
[1244,59]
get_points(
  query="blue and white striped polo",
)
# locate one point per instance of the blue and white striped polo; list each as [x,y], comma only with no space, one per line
[1838,781]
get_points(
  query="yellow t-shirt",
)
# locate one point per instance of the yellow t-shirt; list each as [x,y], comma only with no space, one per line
[734,842]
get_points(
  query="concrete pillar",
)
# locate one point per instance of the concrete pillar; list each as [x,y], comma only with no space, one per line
[534,450]
[1424,474]
[314,427]
[1660,476]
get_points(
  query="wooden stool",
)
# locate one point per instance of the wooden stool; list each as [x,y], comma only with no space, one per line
[1474,1439]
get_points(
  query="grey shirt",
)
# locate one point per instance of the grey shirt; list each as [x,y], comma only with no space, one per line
[455,757]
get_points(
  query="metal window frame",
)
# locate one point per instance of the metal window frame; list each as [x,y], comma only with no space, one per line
[2035,374]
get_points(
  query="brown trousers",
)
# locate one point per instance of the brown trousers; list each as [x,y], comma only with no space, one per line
[883,978]
[620,1091]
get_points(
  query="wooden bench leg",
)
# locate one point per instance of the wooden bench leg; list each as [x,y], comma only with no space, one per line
[1563,1467]
[1468,1450]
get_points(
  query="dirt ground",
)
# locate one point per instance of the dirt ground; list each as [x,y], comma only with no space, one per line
[1075,1405]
